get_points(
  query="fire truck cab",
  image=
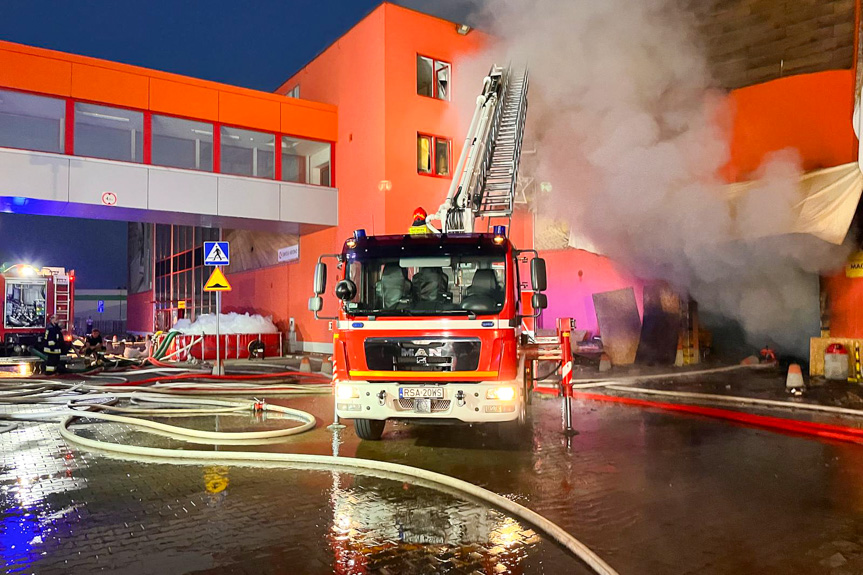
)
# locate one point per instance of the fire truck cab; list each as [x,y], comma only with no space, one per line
[429,328]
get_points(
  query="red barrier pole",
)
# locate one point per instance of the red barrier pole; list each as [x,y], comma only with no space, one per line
[564,328]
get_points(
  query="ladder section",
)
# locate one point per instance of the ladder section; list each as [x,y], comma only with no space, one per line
[63,301]
[500,168]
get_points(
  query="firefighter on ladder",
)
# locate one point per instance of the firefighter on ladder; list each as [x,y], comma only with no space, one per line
[53,346]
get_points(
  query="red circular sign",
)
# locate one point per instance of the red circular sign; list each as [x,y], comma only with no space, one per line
[109,198]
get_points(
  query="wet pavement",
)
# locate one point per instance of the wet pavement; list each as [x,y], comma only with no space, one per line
[649,491]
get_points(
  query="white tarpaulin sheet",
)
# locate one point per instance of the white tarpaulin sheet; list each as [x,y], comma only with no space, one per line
[823,206]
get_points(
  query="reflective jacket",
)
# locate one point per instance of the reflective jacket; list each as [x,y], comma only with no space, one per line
[53,338]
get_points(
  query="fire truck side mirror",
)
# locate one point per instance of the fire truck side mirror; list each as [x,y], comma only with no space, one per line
[320,278]
[539,301]
[316,303]
[537,275]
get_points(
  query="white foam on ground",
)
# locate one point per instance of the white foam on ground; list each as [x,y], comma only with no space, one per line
[228,323]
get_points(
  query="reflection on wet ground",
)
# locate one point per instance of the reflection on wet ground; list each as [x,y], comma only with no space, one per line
[650,492]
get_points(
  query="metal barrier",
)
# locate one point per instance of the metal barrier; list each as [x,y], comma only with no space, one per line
[232,346]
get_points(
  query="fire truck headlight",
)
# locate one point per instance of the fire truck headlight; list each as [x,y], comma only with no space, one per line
[345,391]
[502,393]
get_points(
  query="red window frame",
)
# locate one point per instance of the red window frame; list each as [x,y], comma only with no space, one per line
[434,78]
[433,153]
[148,143]
[332,158]
[69,136]
[146,136]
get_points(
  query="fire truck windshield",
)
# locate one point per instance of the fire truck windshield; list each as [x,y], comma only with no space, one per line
[461,280]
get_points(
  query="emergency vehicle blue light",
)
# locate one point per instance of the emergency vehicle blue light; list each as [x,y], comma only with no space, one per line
[359,234]
[500,230]
[357,324]
[488,324]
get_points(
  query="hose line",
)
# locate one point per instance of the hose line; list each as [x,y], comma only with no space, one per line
[77,395]
[557,533]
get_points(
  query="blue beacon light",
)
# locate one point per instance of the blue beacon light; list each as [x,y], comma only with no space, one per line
[499,235]
[359,234]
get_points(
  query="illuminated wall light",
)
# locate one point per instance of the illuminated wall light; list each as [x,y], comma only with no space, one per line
[385,185]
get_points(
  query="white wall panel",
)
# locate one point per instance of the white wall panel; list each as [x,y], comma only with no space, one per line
[80,182]
[183,191]
[89,179]
[309,204]
[34,175]
[248,198]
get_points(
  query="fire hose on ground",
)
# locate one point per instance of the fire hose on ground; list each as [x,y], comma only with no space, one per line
[625,385]
[76,398]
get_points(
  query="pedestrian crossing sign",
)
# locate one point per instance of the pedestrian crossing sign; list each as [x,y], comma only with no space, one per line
[217,282]
[216,254]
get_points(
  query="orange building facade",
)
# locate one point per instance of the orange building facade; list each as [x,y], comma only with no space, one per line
[370,74]
[361,95]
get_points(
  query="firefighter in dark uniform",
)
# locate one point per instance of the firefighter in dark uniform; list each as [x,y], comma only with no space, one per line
[53,346]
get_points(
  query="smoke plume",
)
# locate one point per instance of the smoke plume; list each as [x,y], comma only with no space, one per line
[632,134]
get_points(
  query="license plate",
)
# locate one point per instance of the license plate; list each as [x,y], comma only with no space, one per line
[430,392]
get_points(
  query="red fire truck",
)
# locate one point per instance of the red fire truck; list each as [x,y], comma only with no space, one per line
[429,325]
[31,296]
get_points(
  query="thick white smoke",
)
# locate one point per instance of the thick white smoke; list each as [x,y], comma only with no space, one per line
[632,134]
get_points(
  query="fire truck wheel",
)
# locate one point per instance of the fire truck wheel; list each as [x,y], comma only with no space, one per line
[528,382]
[369,428]
[517,431]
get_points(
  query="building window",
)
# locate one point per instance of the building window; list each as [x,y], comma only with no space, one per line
[305,161]
[110,133]
[433,155]
[433,78]
[32,122]
[180,273]
[294,92]
[181,143]
[248,153]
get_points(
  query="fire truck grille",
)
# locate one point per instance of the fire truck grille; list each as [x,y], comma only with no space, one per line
[406,354]
[408,404]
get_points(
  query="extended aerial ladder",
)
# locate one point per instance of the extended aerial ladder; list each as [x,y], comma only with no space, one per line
[485,179]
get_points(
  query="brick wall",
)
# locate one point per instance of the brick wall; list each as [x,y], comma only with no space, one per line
[752,41]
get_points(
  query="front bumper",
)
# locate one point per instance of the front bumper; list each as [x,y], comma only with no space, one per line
[380,400]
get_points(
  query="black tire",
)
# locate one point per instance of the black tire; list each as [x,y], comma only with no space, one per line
[369,428]
[512,433]
[518,431]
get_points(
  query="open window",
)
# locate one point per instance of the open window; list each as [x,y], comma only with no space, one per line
[433,78]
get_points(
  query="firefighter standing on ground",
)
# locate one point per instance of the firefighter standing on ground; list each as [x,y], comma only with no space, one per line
[53,346]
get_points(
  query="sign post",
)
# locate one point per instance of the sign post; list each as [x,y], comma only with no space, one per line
[217,254]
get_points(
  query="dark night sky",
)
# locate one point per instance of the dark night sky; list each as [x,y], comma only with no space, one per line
[253,44]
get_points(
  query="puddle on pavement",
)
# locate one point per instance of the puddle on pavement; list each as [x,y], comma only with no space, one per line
[649,491]
[63,510]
